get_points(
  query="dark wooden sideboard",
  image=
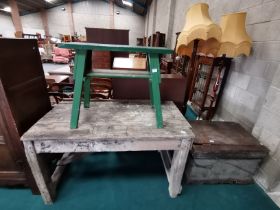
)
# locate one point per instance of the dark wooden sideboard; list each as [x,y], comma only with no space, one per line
[109,36]
[24,100]
[172,88]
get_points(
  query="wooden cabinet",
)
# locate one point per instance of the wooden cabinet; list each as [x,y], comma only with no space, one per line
[14,169]
[140,91]
[102,87]
[10,172]
[207,84]
[158,39]
[109,36]
[24,100]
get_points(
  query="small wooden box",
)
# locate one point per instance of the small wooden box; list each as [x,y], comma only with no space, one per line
[223,152]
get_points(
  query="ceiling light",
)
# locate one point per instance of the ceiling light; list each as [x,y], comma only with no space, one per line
[127,3]
[7,9]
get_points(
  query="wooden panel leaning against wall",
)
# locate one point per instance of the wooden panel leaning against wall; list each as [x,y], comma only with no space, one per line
[14,169]
[24,100]
[8,168]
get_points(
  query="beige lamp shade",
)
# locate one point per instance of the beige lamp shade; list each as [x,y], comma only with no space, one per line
[235,40]
[199,26]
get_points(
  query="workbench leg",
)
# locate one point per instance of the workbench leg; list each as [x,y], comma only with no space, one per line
[177,170]
[87,92]
[39,176]
[155,70]
[79,76]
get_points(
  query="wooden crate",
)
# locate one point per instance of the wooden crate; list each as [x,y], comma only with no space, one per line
[223,152]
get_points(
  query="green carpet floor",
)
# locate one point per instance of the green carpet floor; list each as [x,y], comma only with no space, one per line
[132,181]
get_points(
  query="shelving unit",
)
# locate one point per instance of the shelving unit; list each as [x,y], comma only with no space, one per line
[207,85]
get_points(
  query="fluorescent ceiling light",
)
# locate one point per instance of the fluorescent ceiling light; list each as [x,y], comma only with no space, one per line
[127,3]
[7,9]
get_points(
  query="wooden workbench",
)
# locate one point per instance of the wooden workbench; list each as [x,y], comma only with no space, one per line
[110,126]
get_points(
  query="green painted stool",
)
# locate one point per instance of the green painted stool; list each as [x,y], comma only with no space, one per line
[83,73]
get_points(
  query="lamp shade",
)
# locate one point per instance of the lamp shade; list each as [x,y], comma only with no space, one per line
[235,40]
[199,26]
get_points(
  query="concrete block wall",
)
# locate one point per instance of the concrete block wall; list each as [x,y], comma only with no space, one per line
[252,92]
[250,77]
[94,13]
[267,131]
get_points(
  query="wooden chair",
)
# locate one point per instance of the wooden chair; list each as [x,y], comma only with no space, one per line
[59,86]
[101,88]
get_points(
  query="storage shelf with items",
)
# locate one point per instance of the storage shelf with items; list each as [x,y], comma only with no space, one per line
[208,82]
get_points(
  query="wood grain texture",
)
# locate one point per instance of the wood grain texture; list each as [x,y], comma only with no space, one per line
[108,36]
[23,101]
[223,152]
[111,121]
[40,178]
[177,168]
[140,91]
[227,140]
[222,133]
[108,126]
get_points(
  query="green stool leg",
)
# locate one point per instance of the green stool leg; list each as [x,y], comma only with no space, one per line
[155,76]
[87,92]
[75,63]
[150,84]
[151,92]
[79,75]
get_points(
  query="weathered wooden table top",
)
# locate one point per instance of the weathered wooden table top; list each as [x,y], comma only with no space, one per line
[111,120]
